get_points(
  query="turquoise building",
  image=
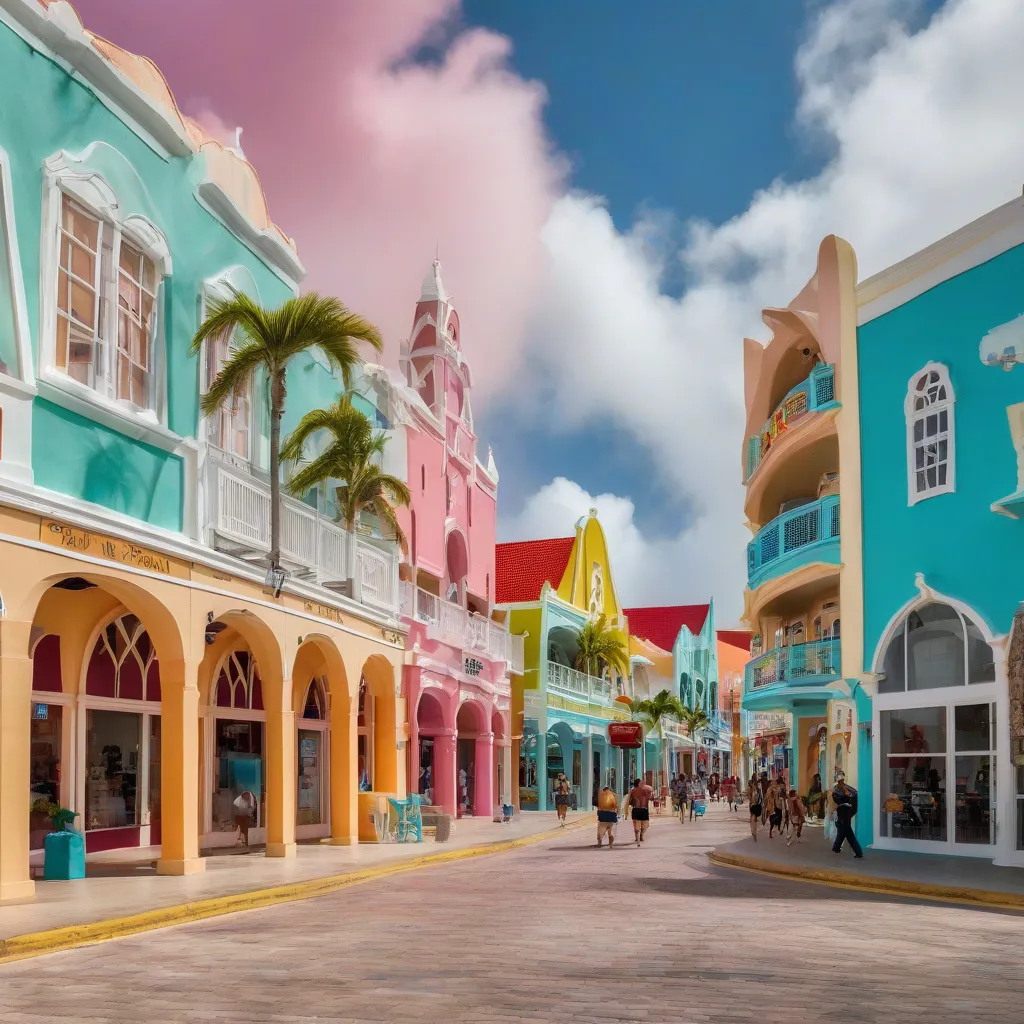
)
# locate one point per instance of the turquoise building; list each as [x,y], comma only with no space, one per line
[941,411]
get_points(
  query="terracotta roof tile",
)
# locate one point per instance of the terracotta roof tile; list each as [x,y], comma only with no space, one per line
[735,638]
[661,625]
[521,567]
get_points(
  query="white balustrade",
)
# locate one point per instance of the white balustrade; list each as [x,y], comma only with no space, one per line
[238,510]
[573,682]
[516,654]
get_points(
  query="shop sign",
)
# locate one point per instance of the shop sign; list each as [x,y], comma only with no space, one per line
[625,734]
[472,666]
[323,611]
[770,721]
[113,549]
[41,712]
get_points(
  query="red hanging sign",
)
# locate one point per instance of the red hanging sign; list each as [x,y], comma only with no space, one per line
[626,734]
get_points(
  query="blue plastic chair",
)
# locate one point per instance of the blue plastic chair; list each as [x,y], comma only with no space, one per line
[409,820]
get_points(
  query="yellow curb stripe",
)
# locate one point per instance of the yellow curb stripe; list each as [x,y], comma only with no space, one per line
[21,947]
[871,883]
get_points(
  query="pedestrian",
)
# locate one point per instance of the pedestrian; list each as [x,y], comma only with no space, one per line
[638,800]
[729,791]
[773,804]
[245,806]
[713,787]
[755,801]
[844,798]
[696,792]
[678,788]
[607,815]
[796,813]
[563,797]
[816,798]
[764,802]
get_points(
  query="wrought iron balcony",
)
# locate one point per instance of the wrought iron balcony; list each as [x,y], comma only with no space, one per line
[806,534]
[815,393]
[800,664]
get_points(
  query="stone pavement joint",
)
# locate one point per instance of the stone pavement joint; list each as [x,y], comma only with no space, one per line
[21,947]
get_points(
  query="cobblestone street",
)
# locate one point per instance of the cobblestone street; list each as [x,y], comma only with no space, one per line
[561,932]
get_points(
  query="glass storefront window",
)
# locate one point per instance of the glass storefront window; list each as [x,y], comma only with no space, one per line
[310,778]
[914,786]
[239,770]
[426,779]
[112,768]
[44,779]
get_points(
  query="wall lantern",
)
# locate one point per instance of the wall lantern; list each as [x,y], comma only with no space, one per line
[275,579]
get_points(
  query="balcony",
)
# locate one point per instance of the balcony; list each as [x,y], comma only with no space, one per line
[237,512]
[816,393]
[453,624]
[806,534]
[576,685]
[800,672]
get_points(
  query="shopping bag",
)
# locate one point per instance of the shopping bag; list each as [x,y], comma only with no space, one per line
[830,826]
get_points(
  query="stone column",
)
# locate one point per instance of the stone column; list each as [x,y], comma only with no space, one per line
[445,793]
[483,797]
[15,718]
[179,769]
[344,771]
[282,781]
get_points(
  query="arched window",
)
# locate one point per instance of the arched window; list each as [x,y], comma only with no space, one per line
[365,738]
[123,663]
[936,646]
[238,685]
[684,688]
[931,438]
[315,706]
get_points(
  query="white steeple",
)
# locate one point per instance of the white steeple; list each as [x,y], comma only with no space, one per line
[433,288]
[492,469]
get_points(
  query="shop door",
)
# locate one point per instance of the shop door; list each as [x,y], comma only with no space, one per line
[597,777]
[466,773]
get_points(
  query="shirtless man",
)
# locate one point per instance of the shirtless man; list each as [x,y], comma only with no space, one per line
[639,801]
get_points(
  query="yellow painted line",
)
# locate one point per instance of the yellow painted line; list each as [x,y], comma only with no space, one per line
[871,883]
[21,947]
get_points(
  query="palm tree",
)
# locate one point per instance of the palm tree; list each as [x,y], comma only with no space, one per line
[351,455]
[695,721]
[653,711]
[270,339]
[599,647]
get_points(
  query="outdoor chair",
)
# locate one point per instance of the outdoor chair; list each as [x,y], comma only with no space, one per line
[408,821]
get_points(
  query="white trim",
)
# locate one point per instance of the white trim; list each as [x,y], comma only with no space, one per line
[23,339]
[978,242]
[916,390]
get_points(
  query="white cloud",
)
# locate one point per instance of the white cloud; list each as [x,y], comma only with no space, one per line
[923,128]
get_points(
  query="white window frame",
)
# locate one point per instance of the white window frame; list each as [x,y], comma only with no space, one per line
[913,415]
[234,279]
[96,197]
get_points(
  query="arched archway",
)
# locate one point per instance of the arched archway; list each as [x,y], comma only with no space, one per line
[435,764]
[110,714]
[564,755]
[502,758]
[325,746]
[380,770]
[474,757]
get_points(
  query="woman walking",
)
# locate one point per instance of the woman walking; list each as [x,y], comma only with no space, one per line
[563,797]
[755,801]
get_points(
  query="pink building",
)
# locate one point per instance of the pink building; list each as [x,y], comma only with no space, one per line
[456,677]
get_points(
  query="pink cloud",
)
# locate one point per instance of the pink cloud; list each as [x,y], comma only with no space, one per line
[369,162]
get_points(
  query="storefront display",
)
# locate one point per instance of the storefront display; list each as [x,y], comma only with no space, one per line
[309,797]
[239,770]
[113,739]
[44,777]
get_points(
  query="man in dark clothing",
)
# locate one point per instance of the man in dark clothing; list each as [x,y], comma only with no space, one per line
[845,799]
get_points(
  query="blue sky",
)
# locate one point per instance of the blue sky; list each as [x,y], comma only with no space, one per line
[676,106]
[685,107]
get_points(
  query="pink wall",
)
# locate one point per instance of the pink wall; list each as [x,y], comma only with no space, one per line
[426,483]
[482,536]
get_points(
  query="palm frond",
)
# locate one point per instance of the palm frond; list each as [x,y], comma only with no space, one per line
[234,377]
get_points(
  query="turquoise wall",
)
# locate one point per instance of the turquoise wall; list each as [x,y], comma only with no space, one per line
[962,547]
[56,112]
[108,468]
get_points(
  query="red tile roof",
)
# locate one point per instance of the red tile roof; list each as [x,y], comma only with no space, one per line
[661,625]
[735,637]
[522,566]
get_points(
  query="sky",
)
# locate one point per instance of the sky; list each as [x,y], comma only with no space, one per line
[616,191]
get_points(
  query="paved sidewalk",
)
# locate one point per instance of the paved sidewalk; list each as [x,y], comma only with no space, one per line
[119,885]
[921,875]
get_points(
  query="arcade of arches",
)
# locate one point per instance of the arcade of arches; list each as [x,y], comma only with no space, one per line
[460,755]
[180,720]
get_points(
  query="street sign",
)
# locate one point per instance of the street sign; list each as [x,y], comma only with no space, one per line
[626,734]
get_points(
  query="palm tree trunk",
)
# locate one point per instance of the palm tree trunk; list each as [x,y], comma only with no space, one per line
[277,393]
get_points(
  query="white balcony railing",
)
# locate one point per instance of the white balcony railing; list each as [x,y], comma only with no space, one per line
[456,625]
[575,683]
[238,511]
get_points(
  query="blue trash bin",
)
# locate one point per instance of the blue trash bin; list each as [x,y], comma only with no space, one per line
[64,856]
